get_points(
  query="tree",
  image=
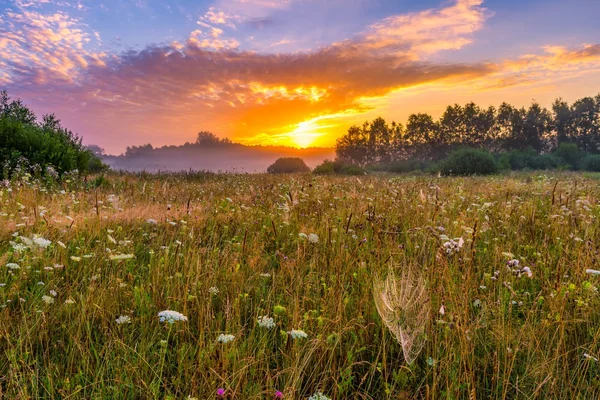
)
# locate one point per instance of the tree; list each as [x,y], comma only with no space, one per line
[421,131]
[207,139]
[353,147]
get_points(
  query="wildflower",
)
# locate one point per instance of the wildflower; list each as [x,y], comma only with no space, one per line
[266,322]
[278,395]
[69,301]
[513,263]
[265,275]
[318,396]
[453,246]
[313,238]
[18,247]
[75,258]
[12,266]
[151,221]
[47,299]
[302,235]
[220,392]
[61,244]
[527,271]
[589,357]
[41,242]
[222,338]
[297,334]
[442,310]
[171,316]
[53,293]
[213,290]
[123,319]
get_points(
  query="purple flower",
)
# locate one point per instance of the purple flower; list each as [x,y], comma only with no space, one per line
[220,392]
[278,395]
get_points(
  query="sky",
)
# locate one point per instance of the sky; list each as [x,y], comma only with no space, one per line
[286,72]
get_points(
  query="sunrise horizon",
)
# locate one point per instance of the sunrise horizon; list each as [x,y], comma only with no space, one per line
[296,73]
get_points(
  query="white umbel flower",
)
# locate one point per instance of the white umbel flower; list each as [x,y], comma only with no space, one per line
[171,316]
[266,322]
[223,338]
[297,334]
[123,319]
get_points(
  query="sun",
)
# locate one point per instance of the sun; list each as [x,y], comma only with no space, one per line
[305,134]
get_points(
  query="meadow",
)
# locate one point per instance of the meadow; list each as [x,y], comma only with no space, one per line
[269,284]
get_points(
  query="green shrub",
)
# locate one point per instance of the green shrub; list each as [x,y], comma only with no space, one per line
[569,153]
[286,165]
[327,167]
[591,163]
[469,162]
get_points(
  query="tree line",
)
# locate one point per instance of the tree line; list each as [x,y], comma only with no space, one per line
[507,128]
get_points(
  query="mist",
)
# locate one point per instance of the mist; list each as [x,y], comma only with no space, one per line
[224,158]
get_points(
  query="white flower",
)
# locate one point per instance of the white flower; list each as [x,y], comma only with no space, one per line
[12,266]
[53,293]
[527,271]
[123,319]
[266,322]
[297,334]
[47,299]
[69,301]
[318,396]
[302,235]
[213,290]
[171,316]
[18,247]
[41,242]
[513,263]
[442,310]
[313,238]
[589,357]
[61,244]
[222,338]
[75,258]
[151,221]
[265,275]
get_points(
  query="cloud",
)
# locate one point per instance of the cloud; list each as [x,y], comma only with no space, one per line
[426,32]
[36,48]
[165,93]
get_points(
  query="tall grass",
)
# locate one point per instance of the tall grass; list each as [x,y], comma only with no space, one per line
[226,250]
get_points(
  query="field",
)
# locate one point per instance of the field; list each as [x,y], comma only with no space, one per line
[273,277]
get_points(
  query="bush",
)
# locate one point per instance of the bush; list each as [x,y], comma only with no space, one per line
[287,165]
[469,162]
[328,167]
[591,163]
[569,153]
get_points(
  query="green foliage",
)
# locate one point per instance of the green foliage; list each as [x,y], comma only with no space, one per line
[338,167]
[287,165]
[591,163]
[469,162]
[24,143]
[569,153]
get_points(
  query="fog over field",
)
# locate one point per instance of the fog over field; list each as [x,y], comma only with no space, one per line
[232,157]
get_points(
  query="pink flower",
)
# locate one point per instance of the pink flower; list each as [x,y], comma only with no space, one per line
[221,392]
[278,395]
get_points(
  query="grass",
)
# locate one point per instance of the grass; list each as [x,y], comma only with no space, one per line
[226,250]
